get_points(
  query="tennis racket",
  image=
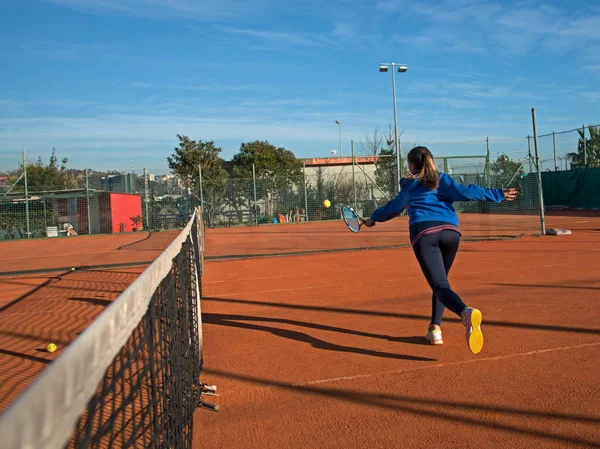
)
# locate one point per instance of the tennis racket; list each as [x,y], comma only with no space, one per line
[352,220]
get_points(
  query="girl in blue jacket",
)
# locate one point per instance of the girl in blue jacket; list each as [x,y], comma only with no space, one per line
[434,234]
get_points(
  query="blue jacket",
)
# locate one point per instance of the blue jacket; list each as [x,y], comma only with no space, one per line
[433,205]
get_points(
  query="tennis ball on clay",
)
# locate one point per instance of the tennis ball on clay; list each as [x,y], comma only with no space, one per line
[326,203]
[51,347]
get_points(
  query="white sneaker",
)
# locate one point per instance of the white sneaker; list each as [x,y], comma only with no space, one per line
[472,321]
[434,337]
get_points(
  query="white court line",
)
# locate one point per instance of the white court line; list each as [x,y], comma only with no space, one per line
[443,365]
[253,279]
[269,291]
[399,279]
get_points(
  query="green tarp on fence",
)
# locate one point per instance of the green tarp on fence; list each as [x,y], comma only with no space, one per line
[578,189]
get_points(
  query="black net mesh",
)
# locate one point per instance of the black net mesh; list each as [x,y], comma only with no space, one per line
[151,390]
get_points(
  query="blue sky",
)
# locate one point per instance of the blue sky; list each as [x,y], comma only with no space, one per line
[110,83]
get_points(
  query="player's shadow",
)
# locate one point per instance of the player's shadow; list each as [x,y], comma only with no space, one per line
[408,316]
[414,340]
[452,412]
[241,322]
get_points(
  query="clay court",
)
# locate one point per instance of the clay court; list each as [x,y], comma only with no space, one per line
[325,349]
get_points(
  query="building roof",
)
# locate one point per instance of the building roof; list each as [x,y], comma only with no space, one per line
[337,161]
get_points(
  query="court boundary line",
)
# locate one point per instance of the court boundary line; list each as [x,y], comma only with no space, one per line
[446,364]
[77,268]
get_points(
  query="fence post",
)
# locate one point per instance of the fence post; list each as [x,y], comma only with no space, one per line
[147,199]
[26,194]
[200,185]
[539,173]
[554,148]
[487,164]
[87,197]
[254,186]
[354,178]
[584,149]
[529,151]
[305,190]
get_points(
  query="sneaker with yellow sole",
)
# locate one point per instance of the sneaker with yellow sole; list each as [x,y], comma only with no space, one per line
[472,320]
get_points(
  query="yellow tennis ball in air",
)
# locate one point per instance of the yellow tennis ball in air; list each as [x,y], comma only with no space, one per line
[326,203]
[73,269]
[51,347]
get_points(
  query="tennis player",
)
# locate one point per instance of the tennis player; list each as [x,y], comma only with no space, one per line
[434,234]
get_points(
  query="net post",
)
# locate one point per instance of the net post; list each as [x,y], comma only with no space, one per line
[198,244]
[539,173]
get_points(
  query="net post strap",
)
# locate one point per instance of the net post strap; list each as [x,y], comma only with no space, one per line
[45,414]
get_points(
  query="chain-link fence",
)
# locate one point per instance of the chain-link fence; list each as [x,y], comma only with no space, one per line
[89,202]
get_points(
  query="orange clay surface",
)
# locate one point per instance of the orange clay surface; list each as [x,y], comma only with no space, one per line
[327,350]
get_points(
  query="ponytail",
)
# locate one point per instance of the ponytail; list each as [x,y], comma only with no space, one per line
[424,168]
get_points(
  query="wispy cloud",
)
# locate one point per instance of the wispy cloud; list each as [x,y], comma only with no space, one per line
[443,39]
[390,6]
[284,37]
[459,89]
[189,9]
[207,87]
[474,26]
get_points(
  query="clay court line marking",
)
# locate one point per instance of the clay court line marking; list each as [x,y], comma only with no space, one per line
[404,278]
[271,291]
[233,281]
[443,365]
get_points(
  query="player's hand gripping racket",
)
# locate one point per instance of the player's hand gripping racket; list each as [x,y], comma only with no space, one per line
[352,220]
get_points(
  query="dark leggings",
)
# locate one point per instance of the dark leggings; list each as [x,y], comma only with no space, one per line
[435,253]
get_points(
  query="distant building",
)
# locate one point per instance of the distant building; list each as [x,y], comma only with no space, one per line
[336,168]
[119,183]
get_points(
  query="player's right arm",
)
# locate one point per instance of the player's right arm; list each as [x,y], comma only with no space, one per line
[459,192]
[389,210]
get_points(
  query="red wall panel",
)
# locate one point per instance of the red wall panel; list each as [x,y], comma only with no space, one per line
[122,207]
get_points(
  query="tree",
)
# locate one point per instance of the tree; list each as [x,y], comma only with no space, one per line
[374,144]
[505,171]
[42,177]
[588,150]
[385,167]
[184,162]
[275,168]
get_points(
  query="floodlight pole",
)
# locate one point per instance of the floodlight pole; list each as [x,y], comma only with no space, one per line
[340,128]
[383,67]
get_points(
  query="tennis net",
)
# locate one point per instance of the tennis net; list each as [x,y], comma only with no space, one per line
[132,378]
